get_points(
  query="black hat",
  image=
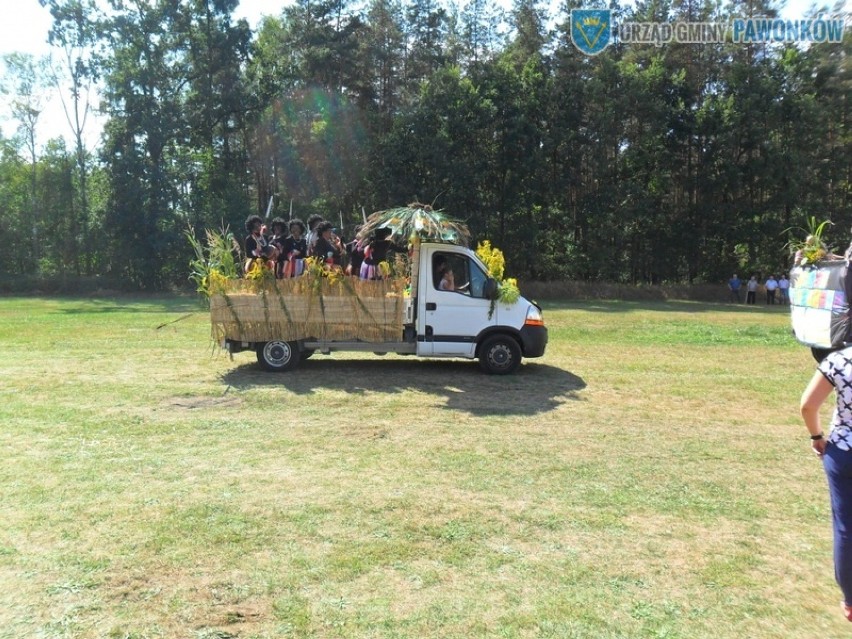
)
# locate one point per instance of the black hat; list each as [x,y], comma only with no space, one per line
[251,221]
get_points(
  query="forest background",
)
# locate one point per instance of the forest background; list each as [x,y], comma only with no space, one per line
[672,164]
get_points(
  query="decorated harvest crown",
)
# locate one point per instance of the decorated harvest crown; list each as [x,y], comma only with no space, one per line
[417,221]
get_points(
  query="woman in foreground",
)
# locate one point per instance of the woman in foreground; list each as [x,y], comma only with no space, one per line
[835,373]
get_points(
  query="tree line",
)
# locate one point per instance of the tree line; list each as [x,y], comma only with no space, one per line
[679,163]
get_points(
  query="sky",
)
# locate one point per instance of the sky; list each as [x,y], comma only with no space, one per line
[25,30]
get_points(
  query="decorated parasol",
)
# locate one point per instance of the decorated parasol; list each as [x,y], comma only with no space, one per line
[417,221]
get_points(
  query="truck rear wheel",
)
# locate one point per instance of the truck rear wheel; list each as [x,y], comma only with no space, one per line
[278,355]
[500,355]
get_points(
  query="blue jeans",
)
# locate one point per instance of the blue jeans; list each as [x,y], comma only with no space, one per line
[838,470]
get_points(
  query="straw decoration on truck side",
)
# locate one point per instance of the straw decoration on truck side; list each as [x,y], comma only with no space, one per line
[309,306]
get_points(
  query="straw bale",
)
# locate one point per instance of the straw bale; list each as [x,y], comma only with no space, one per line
[300,308]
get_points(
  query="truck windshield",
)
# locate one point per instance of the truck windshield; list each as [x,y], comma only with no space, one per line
[477,281]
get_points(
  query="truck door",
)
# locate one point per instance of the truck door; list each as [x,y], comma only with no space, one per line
[453,307]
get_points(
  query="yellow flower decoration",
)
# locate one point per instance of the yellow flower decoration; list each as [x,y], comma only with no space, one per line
[216,283]
[255,270]
[509,291]
[496,264]
[493,259]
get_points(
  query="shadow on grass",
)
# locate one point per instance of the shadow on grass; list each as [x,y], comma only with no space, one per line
[534,389]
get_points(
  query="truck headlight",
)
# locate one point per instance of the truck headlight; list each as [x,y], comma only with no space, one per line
[534,317]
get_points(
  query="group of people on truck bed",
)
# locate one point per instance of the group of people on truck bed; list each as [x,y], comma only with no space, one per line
[290,242]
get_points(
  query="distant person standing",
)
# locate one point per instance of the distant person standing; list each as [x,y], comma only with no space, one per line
[751,290]
[784,289]
[771,286]
[734,287]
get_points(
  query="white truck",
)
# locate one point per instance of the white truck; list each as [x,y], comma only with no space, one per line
[288,325]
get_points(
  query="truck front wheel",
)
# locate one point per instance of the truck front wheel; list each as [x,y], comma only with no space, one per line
[499,355]
[278,355]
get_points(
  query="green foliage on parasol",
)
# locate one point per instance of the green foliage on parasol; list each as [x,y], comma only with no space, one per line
[417,220]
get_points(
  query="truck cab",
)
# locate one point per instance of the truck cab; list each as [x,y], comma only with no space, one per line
[457,321]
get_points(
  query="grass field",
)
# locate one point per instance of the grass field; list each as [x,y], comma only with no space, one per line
[649,477]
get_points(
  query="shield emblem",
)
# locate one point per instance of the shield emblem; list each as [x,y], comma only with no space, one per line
[590,30]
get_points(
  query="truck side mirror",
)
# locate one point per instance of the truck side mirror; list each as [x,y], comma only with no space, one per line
[491,290]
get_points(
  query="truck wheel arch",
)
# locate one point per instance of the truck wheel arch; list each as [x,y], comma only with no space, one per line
[498,330]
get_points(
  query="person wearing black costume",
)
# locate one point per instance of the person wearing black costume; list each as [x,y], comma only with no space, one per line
[257,245]
[312,234]
[377,251]
[327,246]
[279,235]
[295,249]
[354,254]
